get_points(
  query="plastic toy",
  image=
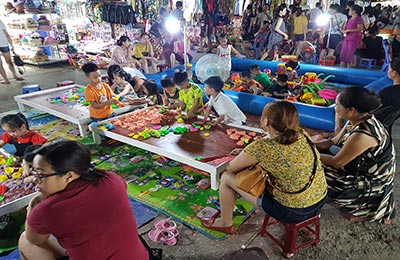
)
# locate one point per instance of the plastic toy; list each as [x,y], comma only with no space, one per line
[138,158]
[10,160]
[207,212]
[281,69]
[204,184]
[3,178]
[206,134]
[3,189]
[167,181]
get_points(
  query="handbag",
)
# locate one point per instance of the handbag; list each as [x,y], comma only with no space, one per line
[252,180]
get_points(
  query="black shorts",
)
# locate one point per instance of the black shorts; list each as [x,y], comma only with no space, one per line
[180,58]
[299,37]
[334,40]
[285,214]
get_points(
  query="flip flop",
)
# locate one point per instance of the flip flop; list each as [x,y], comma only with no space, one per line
[167,225]
[165,237]
[208,223]
[19,79]
[5,82]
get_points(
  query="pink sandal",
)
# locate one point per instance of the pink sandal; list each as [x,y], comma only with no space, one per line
[166,237]
[167,225]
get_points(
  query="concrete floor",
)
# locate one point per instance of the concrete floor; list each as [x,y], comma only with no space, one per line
[193,245]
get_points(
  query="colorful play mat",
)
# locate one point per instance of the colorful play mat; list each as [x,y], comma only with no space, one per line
[179,191]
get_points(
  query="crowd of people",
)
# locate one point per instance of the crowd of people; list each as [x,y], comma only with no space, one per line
[348,34]
[355,168]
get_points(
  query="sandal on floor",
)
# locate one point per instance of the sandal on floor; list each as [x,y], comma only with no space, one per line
[167,225]
[166,237]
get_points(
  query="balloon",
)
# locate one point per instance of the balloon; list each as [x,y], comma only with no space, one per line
[211,65]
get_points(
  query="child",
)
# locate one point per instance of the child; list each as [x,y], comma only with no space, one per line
[291,70]
[227,110]
[27,162]
[171,93]
[281,88]
[121,86]
[98,94]
[17,132]
[190,94]
[151,91]
[261,77]
[250,85]
[224,51]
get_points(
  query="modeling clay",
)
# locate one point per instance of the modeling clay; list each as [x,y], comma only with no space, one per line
[10,160]
[201,128]
[1,198]
[206,134]
[2,160]
[3,178]
[193,129]
[181,130]
[9,170]
[156,127]
[207,127]
[3,189]
[16,175]
[198,158]
[196,126]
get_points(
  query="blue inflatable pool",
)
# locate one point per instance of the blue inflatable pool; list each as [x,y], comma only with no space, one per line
[312,116]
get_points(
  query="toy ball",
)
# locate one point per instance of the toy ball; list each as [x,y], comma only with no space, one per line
[211,65]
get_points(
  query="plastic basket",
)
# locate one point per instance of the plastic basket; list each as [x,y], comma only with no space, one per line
[327,62]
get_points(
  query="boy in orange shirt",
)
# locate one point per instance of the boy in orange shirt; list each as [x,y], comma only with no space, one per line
[98,94]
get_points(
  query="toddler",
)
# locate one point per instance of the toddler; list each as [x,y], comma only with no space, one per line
[17,133]
[224,51]
[228,112]
[291,70]
[98,94]
[261,77]
[171,93]
[122,87]
[151,91]
[250,85]
[190,94]
[281,88]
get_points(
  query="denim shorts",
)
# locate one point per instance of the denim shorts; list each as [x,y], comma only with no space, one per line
[285,214]
[5,49]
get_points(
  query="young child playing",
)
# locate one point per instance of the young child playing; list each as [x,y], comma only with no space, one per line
[228,112]
[281,88]
[291,70]
[98,94]
[17,133]
[224,51]
[27,162]
[190,94]
[124,89]
[250,85]
[171,93]
[151,92]
[261,77]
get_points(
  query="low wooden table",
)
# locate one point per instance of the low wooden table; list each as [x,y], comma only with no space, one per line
[182,148]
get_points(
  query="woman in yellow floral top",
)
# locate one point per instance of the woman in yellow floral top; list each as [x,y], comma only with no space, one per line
[288,157]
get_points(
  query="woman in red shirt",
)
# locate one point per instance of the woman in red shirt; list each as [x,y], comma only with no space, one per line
[81,212]
[17,133]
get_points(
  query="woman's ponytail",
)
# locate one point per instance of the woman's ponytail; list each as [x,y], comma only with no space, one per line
[288,136]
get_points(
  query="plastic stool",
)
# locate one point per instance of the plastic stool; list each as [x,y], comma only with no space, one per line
[291,232]
[30,88]
[64,83]
[367,63]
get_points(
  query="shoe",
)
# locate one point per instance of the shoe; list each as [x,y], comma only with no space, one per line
[207,222]
[166,237]
[167,225]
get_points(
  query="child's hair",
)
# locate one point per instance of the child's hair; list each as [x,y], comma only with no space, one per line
[179,4]
[89,68]
[294,65]
[112,69]
[255,67]
[143,34]
[180,76]
[15,121]
[123,74]
[282,78]
[152,89]
[122,39]
[246,74]
[373,29]
[30,152]
[222,36]
[65,156]
[166,82]
[215,83]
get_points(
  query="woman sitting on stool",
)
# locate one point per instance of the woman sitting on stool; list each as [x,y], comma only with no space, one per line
[361,164]
[289,157]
